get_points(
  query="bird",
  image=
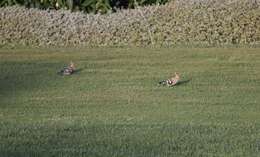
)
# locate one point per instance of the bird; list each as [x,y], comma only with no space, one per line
[68,70]
[172,81]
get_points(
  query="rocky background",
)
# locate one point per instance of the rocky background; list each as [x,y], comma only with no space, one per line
[203,22]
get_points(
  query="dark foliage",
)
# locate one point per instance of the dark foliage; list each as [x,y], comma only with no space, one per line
[96,6]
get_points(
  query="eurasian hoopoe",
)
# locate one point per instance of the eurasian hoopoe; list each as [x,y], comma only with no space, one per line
[69,69]
[172,81]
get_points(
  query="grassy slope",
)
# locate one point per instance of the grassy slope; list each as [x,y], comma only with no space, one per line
[114,106]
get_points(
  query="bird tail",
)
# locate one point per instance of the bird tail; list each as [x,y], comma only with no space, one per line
[163,82]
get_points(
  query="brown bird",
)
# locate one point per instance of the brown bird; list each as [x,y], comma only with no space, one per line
[69,69]
[172,81]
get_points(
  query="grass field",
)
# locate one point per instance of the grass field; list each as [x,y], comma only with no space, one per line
[114,107]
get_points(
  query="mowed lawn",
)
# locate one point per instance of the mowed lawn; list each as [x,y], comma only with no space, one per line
[114,107]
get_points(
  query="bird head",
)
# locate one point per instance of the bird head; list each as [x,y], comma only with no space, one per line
[72,65]
[177,76]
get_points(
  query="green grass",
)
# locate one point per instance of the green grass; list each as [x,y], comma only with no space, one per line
[114,106]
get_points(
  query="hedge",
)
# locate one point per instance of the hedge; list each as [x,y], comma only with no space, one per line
[206,22]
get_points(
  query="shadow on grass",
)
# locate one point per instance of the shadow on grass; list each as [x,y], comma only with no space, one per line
[183,82]
[18,77]
[77,71]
